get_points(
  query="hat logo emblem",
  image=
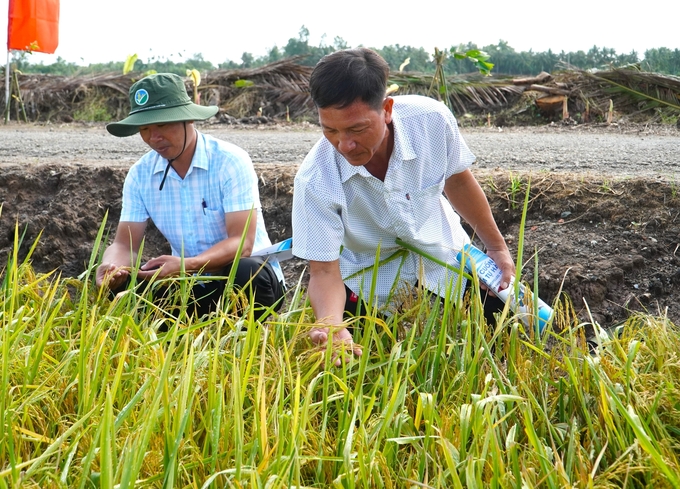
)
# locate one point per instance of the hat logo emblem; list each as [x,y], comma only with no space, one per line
[141,96]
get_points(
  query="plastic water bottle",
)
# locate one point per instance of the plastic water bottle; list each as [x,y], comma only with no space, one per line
[490,275]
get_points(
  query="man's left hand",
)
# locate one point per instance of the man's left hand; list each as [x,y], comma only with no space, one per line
[505,262]
[160,267]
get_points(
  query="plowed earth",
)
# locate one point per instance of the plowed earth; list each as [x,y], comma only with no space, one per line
[603,211]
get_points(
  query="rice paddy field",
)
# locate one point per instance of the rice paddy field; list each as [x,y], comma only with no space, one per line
[100,393]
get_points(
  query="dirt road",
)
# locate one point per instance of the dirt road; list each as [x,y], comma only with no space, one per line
[603,211]
[613,150]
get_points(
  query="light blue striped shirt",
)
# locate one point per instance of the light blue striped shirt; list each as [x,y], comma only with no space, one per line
[190,211]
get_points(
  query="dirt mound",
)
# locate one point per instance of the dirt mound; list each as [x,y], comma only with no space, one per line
[610,245]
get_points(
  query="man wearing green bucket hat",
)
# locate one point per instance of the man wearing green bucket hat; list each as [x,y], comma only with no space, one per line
[200,192]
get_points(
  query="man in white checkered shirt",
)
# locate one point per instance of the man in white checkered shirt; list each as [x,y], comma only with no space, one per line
[378,174]
[202,207]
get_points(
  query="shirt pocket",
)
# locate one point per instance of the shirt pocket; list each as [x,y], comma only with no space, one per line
[214,227]
[425,213]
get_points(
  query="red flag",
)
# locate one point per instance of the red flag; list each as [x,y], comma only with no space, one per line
[33,25]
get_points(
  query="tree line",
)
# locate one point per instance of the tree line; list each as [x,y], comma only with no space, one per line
[506,60]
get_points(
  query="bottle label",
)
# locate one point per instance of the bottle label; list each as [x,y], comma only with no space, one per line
[490,275]
[487,270]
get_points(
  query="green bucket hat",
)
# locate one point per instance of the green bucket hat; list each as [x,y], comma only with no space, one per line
[159,99]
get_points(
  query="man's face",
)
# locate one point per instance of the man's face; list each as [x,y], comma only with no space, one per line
[166,139]
[357,131]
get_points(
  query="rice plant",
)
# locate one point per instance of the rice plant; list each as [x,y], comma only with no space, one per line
[119,393]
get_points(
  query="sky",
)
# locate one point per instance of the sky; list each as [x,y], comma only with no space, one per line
[91,31]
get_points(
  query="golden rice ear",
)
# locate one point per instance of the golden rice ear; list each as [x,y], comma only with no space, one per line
[392,88]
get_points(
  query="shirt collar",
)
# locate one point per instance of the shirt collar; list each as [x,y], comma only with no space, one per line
[200,159]
[402,146]
[402,151]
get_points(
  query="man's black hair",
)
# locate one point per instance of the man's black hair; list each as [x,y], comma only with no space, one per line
[342,77]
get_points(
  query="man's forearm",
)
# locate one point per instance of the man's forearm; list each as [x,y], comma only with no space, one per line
[223,253]
[218,256]
[119,255]
[326,292]
[470,202]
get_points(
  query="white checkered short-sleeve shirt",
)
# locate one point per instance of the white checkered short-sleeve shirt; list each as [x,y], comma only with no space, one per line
[339,205]
[189,211]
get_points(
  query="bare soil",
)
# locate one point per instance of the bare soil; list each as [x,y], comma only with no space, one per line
[602,214]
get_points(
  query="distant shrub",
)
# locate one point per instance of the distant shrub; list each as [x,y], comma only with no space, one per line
[93,110]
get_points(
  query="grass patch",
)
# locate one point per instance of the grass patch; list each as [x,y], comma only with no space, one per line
[93,109]
[92,113]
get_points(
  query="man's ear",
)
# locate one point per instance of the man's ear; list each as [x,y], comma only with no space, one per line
[387,107]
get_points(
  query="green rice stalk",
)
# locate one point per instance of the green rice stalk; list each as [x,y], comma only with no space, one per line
[520,242]
[34,464]
[176,431]
[106,455]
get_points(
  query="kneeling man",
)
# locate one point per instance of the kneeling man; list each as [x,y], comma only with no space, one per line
[200,192]
[380,173]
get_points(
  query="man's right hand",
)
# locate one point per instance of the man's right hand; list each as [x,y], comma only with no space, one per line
[327,295]
[342,342]
[120,254]
[111,276]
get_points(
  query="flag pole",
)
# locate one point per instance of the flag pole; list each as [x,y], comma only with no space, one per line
[7,89]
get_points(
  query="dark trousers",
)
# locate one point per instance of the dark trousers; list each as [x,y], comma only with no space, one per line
[254,277]
[354,306]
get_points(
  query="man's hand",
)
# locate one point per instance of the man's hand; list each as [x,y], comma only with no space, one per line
[120,255]
[326,292]
[342,342]
[505,262]
[160,267]
[111,276]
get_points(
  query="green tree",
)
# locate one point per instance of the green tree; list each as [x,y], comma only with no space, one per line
[662,60]
[507,60]
[419,59]
[312,54]
[274,55]
[298,46]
